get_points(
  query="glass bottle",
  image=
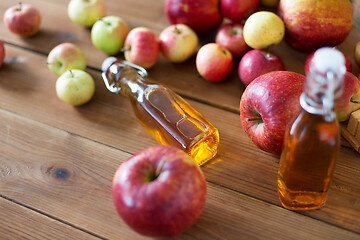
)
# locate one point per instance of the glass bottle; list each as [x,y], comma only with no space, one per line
[162,112]
[312,139]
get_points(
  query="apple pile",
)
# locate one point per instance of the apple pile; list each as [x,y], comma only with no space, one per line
[273,99]
[111,34]
[214,61]
[73,86]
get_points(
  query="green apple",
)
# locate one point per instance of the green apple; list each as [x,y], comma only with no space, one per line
[108,34]
[86,12]
[75,87]
[65,56]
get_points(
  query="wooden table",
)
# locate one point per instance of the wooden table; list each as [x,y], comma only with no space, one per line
[57,161]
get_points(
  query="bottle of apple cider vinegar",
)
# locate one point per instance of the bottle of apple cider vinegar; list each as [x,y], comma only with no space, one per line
[162,112]
[312,139]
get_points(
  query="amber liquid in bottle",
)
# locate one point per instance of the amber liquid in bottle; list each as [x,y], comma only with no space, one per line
[167,116]
[312,139]
[307,163]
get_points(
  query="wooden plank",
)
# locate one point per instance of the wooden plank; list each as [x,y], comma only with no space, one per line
[18,222]
[27,89]
[68,177]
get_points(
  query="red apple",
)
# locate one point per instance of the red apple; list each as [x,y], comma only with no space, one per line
[202,15]
[237,10]
[178,42]
[22,19]
[214,62]
[257,62]
[348,63]
[65,56]
[313,24]
[350,98]
[159,192]
[2,53]
[267,105]
[141,47]
[231,37]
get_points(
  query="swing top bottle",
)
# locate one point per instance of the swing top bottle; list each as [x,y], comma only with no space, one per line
[163,113]
[312,139]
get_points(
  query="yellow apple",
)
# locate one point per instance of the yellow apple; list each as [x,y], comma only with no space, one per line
[75,87]
[86,12]
[263,29]
[178,42]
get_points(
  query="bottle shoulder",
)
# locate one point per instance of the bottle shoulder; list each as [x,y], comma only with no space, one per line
[313,125]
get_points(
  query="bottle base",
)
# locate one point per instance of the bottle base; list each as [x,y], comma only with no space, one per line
[300,200]
[205,149]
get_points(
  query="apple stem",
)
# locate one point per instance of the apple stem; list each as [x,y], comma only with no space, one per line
[125,49]
[72,74]
[235,31]
[253,119]
[354,101]
[107,23]
[20,6]
[177,31]
[159,167]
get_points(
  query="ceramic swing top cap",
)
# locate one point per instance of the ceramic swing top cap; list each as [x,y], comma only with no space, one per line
[107,63]
[329,59]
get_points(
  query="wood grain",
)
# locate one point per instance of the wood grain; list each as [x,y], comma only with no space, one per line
[68,177]
[57,161]
[109,119]
[18,222]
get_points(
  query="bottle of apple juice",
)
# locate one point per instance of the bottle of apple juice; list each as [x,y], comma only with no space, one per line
[312,139]
[162,112]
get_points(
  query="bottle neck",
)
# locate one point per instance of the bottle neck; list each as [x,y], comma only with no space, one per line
[320,92]
[130,82]
[125,79]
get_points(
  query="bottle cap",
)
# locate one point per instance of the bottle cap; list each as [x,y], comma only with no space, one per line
[328,59]
[107,63]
